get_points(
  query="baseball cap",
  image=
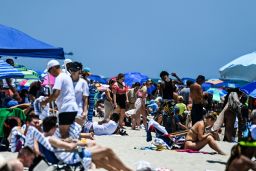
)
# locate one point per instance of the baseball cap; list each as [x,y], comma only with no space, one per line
[76,66]
[87,70]
[51,64]
[66,61]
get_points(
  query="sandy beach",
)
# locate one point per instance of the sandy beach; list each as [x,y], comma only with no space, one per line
[128,149]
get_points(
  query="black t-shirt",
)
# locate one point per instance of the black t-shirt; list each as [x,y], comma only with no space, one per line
[168,89]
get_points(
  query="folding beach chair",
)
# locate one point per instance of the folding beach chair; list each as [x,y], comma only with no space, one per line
[51,159]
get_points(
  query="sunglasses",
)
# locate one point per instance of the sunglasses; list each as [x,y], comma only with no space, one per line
[74,69]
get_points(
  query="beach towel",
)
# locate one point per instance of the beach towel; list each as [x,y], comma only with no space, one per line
[195,151]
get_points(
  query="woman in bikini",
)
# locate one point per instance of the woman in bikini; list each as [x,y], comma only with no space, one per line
[197,137]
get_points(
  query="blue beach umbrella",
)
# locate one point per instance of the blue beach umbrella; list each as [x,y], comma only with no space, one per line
[8,71]
[98,79]
[227,85]
[249,89]
[205,86]
[185,79]
[133,77]
[217,93]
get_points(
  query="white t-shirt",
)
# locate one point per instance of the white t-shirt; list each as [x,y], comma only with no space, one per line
[105,129]
[81,89]
[66,102]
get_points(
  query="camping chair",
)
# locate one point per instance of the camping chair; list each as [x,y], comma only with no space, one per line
[51,159]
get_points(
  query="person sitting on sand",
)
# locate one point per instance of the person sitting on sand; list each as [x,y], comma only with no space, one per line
[171,121]
[102,157]
[197,137]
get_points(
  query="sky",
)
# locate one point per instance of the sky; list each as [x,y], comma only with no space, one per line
[148,36]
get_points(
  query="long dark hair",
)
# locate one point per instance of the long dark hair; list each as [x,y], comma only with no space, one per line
[235,153]
[35,89]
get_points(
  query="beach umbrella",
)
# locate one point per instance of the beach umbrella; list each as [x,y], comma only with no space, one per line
[227,84]
[249,89]
[242,68]
[8,71]
[185,79]
[131,77]
[20,67]
[205,86]
[30,74]
[26,83]
[214,81]
[217,93]
[97,78]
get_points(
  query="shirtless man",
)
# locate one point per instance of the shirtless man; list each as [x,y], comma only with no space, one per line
[197,138]
[241,158]
[196,94]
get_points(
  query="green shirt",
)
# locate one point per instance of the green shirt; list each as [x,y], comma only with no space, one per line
[182,107]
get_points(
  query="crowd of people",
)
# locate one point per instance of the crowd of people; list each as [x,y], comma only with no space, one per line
[59,119]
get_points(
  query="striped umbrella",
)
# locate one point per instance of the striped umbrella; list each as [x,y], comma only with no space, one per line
[8,71]
[30,74]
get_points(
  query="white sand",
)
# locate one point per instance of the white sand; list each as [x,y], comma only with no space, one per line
[177,161]
[180,161]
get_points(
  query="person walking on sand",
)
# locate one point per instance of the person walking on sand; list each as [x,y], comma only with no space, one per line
[108,102]
[196,94]
[81,92]
[64,94]
[120,97]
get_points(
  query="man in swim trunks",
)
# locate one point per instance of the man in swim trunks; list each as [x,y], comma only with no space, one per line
[196,94]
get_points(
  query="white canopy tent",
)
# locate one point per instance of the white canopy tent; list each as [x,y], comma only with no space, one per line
[242,68]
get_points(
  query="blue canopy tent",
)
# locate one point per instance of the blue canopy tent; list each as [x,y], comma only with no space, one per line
[16,43]
[8,71]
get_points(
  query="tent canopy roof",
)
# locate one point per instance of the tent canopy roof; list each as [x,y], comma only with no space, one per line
[16,43]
